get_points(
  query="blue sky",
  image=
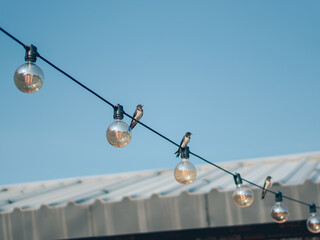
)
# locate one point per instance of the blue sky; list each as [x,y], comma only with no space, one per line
[242,76]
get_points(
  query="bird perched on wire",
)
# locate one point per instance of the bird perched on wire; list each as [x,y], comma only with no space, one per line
[136,116]
[267,184]
[184,142]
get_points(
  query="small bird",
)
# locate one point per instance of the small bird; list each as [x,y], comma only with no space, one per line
[136,116]
[267,184]
[184,142]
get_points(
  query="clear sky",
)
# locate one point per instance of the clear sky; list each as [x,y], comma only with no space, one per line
[242,76]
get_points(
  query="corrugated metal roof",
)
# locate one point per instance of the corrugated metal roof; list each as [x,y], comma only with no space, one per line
[152,200]
[290,169]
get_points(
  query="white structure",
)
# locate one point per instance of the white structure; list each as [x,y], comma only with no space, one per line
[153,201]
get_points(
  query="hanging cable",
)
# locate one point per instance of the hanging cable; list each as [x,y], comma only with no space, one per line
[146,126]
[75,80]
[8,34]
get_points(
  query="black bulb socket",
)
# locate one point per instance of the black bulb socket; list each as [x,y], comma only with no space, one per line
[185,152]
[279,197]
[118,112]
[31,53]
[313,208]
[237,179]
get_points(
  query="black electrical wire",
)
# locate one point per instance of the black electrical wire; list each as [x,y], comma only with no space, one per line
[221,168]
[298,201]
[146,126]
[256,185]
[73,79]
[8,34]
[283,196]
[151,129]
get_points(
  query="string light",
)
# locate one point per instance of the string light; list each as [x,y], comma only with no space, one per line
[313,222]
[185,172]
[29,77]
[31,74]
[279,212]
[242,196]
[118,134]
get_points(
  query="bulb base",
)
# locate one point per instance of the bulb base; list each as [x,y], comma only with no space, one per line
[313,208]
[185,152]
[279,197]
[118,112]
[237,179]
[31,53]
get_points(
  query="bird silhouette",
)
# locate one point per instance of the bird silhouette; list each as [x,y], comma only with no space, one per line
[184,142]
[267,184]
[136,116]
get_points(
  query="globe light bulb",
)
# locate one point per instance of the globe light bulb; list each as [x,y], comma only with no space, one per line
[242,196]
[118,134]
[185,172]
[279,212]
[29,78]
[313,222]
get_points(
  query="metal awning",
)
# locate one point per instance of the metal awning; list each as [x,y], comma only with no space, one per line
[151,201]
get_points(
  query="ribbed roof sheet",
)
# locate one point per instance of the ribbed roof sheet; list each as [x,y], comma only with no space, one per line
[287,170]
[152,201]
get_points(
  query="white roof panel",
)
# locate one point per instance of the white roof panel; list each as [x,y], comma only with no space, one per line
[289,169]
[153,201]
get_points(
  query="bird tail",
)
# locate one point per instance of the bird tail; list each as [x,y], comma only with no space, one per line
[263,195]
[133,124]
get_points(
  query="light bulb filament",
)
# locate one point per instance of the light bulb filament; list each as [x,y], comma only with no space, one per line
[28,78]
[118,134]
[242,197]
[315,225]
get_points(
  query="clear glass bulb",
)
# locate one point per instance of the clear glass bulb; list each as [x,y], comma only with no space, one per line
[185,172]
[243,196]
[118,134]
[313,223]
[29,77]
[279,212]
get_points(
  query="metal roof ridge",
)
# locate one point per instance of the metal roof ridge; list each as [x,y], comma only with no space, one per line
[287,157]
[273,157]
